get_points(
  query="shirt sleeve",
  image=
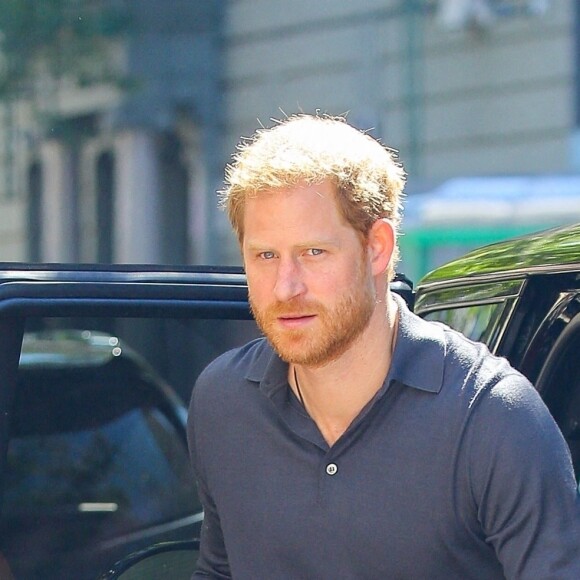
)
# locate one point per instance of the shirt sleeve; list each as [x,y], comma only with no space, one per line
[213,560]
[523,484]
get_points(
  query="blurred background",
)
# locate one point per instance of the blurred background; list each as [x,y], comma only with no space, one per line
[117,117]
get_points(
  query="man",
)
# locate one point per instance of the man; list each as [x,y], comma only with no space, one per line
[356,440]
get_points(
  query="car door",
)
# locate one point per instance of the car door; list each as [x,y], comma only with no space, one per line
[97,366]
[553,358]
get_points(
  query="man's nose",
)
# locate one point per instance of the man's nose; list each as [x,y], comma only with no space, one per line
[289,280]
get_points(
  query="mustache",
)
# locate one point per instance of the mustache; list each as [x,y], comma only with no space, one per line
[295,307]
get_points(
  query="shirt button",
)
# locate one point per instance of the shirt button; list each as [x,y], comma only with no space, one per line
[331,469]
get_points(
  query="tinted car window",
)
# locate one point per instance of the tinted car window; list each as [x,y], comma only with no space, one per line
[479,310]
[93,454]
[121,469]
[475,322]
[97,462]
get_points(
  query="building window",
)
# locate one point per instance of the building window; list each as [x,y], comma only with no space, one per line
[174,182]
[105,207]
[34,209]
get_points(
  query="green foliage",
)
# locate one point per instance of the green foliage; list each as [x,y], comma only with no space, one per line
[67,38]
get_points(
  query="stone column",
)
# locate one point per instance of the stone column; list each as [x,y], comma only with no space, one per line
[137,228]
[59,236]
[197,194]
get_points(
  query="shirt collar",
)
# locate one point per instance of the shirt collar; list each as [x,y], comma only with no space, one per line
[418,358]
[268,369]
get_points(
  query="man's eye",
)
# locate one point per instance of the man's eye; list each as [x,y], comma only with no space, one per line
[315,251]
[267,255]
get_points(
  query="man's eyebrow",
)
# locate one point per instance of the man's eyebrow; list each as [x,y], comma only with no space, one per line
[314,243]
[255,245]
[319,242]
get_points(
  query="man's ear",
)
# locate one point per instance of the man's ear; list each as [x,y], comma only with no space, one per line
[380,245]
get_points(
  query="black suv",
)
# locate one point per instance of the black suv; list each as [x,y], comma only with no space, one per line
[522,298]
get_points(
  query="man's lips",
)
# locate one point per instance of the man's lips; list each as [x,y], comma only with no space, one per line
[296,320]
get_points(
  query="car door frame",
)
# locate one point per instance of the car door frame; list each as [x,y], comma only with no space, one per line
[130,291]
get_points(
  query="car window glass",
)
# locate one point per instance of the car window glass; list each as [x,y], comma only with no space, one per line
[477,322]
[97,452]
[120,470]
[468,294]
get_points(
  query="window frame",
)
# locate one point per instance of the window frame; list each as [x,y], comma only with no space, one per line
[465,293]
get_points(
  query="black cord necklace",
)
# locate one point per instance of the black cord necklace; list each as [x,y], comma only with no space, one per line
[298,391]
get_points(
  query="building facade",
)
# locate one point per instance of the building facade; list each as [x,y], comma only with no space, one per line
[459,87]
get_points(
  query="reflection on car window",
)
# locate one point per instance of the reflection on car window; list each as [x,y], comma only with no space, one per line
[92,455]
[123,468]
[97,459]
[475,322]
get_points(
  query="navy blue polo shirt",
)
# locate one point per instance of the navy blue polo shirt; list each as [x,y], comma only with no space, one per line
[455,469]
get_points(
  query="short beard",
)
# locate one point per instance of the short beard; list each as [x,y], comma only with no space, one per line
[340,326]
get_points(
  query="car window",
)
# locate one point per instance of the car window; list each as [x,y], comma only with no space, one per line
[479,311]
[66,491]
[97,454]
[481,322]
[120,468]
[475,322]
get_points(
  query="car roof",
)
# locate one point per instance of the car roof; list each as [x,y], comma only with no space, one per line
[39,289]
[26,287]
[62,272]
[549,251]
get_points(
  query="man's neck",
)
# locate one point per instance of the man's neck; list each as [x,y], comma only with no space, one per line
[335,393]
